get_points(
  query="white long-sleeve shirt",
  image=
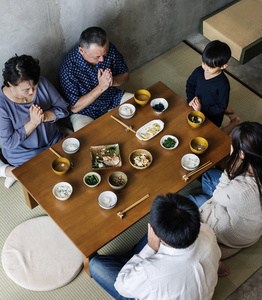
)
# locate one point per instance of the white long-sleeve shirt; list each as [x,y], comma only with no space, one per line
[171,273]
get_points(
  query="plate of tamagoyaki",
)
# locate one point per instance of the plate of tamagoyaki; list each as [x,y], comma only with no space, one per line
[149,130]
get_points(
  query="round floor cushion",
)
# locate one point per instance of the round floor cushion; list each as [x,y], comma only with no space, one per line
[38,256]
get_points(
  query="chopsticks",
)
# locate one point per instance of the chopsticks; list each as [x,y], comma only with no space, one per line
[186,177]
[121,213]
[55,152]
[122,123]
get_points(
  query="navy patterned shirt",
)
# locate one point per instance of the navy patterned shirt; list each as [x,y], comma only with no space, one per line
[78,78]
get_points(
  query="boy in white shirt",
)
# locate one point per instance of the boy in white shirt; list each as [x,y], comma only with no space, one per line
[178,261]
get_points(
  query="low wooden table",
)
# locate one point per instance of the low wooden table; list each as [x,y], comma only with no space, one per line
[81,218]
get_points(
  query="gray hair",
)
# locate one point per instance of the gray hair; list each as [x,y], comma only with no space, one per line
[93,35]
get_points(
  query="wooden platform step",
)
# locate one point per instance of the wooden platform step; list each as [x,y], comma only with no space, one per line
[239,25]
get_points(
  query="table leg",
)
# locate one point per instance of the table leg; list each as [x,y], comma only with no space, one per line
[30,201]
[86,260]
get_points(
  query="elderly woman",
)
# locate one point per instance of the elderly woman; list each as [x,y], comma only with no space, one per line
[29,108]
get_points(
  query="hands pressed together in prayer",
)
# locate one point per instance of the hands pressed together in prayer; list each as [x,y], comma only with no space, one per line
[105,78]
[195,103]
[36,114]
[153,239]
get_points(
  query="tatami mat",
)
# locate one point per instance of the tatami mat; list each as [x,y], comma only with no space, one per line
[173,68]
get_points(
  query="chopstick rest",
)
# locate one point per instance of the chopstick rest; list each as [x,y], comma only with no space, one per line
[123,124]
[186,177]
[121,213]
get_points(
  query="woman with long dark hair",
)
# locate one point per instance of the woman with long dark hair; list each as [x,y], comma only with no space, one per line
[231,201]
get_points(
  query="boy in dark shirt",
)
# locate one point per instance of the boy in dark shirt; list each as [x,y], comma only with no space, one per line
[208,88]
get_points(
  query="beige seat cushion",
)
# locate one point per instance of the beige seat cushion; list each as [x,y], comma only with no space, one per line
[38,256]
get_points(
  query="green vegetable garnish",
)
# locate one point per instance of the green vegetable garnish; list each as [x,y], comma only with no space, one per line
[91,179]
[169,143]
[196,119]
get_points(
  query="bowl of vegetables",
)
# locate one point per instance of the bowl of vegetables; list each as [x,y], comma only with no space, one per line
[195,118]
[140,159]
[159,105]
[117,180]
[169,142]
[92,179]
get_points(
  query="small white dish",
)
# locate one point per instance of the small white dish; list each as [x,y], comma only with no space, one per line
[126,110]
[107,200]
[165,137]
[159,105]
[62,190]
[190,161]
[89,179]
[71,145]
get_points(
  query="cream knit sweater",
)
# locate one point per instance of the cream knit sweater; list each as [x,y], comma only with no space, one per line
[234,212]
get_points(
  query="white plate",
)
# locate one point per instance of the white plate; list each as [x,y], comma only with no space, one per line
[158,101]
[149,125]
[165,137]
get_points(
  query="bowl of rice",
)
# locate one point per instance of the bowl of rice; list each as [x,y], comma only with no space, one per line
[190,161]
[126,110]
[62,190]
[71,145]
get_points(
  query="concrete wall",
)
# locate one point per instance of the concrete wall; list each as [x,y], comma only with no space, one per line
[141,29]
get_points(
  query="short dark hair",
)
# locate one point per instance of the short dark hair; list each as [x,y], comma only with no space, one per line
[175,220]
[246,136]
[93,35]
[216,54]
[21,68]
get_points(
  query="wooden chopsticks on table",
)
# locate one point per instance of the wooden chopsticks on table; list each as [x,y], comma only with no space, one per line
[186,177]
[123,124]
[121,213]
[50,148]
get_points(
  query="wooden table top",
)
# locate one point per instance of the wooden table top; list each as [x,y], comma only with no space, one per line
[81,218]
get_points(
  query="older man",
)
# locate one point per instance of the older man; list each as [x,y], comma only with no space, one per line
[89,76]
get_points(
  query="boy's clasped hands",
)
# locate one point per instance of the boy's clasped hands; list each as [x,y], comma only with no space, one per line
[195,103]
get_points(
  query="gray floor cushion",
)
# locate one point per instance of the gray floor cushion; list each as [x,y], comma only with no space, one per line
[38,256]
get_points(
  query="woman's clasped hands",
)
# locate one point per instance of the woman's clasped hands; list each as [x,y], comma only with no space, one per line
[36,114]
